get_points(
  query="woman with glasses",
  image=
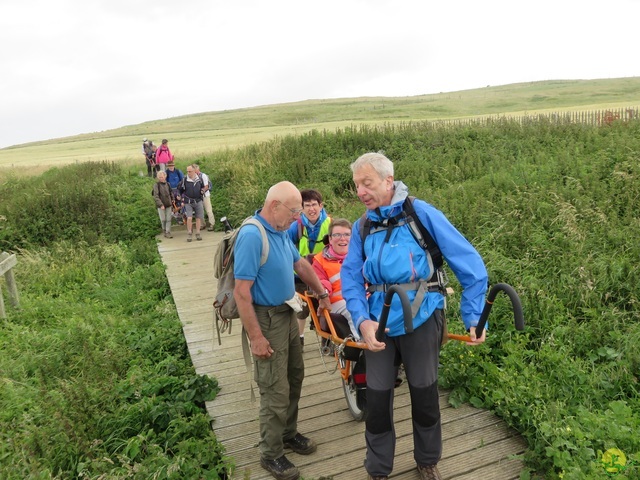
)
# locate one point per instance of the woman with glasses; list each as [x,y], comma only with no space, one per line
[327,265]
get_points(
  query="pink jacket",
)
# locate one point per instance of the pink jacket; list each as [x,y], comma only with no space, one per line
[163,155]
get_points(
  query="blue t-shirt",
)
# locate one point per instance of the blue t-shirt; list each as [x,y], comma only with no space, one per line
[272,282]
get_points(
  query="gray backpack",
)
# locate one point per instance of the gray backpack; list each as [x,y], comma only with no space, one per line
[223,261]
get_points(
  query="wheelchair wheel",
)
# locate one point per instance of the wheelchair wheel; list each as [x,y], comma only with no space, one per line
[356,396]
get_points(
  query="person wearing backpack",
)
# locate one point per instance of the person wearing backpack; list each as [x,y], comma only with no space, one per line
[391,255]
[261,293]
[163,197]
[149,153]
[163,155]
[307,233]
[174,177]
[191,191]
[206,200]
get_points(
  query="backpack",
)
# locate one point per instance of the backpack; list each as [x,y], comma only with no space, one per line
[210,185]
[409,217]
[223,261]
[148,150]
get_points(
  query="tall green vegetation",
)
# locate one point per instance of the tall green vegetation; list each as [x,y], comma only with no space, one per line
[553,210]
[96,380]
[551,207]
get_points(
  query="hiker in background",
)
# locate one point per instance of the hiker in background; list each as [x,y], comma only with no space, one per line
[327,265]
[149,153]
[163,155]
[261,293]
[174,177]
[393,256]
[206,201]
[307,233]
[191,191]
[163,197]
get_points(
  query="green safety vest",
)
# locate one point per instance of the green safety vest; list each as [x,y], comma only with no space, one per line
[303,242]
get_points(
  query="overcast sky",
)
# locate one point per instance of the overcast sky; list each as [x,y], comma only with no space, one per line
[79,66]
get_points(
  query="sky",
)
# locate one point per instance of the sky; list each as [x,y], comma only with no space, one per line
[80,66]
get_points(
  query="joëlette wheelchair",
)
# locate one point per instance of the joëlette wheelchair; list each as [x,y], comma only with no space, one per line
[349,354]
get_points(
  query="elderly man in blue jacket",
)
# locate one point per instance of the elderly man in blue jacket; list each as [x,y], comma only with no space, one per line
[393,256]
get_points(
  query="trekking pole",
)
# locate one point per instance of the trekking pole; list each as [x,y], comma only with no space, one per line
[515,302]
[227,225]
[406,310]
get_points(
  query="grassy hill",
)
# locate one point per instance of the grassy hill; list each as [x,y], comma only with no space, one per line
[193,135]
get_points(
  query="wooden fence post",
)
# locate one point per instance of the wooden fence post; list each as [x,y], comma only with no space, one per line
[7,262]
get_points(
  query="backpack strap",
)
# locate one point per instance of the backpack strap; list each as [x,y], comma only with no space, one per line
[263,234]
[422,235]
[300,231]
[246,348]
[409,217]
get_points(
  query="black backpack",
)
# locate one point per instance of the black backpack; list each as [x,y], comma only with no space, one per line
[409,217]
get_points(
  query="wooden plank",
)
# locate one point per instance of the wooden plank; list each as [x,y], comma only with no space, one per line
[7,262]
[476,444]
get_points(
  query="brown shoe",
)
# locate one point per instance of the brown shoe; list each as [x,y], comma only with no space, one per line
[429,472]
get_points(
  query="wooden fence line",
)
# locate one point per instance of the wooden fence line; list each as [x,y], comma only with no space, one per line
[7,262]
[591,117]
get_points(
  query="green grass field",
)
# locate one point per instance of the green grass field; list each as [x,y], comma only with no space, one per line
[202,133]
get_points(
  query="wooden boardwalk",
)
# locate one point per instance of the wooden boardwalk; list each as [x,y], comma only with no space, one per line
[477,445]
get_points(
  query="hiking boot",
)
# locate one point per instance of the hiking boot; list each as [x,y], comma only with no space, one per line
[429,472]
[281,468]
[210,228]
[168,235]
[198,237]
[189,237]
[301,444]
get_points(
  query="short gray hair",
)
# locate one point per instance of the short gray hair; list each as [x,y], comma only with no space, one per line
[381,164]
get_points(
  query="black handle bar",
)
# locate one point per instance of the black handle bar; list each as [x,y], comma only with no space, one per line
[518,317]
[406,310]
[408,317]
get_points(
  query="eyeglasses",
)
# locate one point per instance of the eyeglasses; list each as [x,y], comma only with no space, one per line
[311,205]
[294,211]
[340,235]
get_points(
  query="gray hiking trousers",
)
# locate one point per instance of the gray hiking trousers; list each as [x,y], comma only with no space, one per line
[419,352]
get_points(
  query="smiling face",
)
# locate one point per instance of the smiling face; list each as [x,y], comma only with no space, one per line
[311,210]
[372,190]
[339,239]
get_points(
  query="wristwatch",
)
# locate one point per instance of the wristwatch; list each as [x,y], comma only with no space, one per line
[324,295]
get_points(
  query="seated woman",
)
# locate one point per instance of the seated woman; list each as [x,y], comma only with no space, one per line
[327,266]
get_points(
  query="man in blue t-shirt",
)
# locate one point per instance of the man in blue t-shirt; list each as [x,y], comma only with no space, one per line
[261,293]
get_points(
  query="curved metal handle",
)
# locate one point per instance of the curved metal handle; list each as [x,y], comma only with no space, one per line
[406,310]
[518,317]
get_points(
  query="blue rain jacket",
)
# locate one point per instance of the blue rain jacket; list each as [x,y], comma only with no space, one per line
[402,260]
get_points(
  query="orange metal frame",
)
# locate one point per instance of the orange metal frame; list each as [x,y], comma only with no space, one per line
[337,340]
[331,335]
